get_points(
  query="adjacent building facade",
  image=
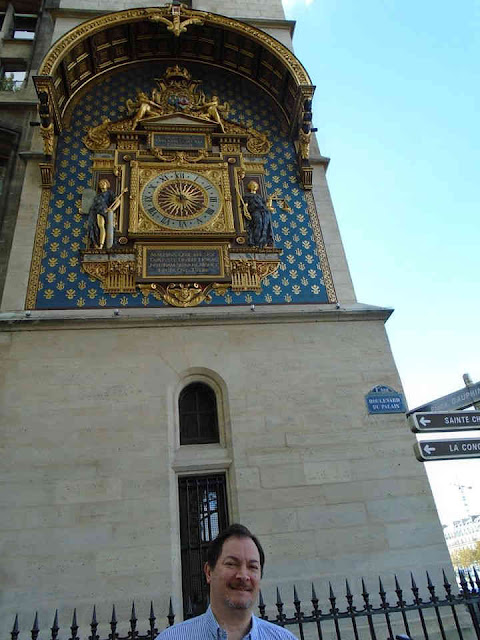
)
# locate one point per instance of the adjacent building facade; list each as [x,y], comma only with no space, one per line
[181,343]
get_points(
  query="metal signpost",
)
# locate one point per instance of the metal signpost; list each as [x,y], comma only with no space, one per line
[442,415]
[422,422]
[457,400]
[447,449]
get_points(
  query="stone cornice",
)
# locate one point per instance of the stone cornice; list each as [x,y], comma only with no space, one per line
[143,318]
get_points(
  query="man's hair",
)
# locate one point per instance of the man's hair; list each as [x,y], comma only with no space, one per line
[233,531]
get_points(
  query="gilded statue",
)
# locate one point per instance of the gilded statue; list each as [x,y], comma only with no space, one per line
[259,219]
[98,218]
[211,110]
[175,92]
[97,138]
[304,144]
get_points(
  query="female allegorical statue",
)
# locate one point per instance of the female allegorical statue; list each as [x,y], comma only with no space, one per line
[259,226]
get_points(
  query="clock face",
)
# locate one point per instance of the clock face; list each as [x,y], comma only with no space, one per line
[179,199]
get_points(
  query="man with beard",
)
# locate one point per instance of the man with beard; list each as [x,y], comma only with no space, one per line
[233,570]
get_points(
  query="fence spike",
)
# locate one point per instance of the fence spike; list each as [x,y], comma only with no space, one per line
[133,617]
[382,591]
[113,621]
[429,582]
[35,628]
[477,578]
[446,585]
[261,604]
[332,595]
[279,602]
[74,625]
[94,624]
[470,579]
[347,587]
[463,582]
[55,628]
[364,589]
[295,595]
[314,595]
[14,632]
[397,584]
[171,613]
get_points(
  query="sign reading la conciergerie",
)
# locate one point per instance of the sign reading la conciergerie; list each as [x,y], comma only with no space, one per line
[383,399]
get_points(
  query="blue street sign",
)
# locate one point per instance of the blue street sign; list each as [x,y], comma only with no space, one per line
[383,399]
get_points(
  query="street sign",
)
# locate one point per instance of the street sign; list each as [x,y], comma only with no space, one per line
[447,449]
[456,400]
[440,421]
[383,399]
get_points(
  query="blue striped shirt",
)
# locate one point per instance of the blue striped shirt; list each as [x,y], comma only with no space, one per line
[205,627]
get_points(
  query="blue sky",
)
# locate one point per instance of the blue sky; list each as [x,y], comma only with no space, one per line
[396,107]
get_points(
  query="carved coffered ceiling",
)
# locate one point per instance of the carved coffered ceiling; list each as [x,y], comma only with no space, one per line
[133,36]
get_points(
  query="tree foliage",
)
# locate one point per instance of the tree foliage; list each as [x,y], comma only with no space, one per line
[466,557]
[7,83]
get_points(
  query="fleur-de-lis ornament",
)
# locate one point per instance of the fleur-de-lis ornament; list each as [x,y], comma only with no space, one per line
[176,25]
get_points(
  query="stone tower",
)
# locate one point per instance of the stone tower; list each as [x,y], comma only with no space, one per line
[180,339]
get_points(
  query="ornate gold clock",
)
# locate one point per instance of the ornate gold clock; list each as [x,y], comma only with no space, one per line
[180,200]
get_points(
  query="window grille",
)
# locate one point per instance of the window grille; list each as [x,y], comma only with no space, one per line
[203,514]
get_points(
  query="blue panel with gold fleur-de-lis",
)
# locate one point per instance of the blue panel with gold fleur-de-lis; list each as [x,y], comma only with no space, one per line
[64,285]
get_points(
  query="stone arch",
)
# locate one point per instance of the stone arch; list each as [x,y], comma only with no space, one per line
[108,42]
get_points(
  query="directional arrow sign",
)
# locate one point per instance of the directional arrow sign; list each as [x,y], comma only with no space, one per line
[444,421]
[456,400]
[447,449]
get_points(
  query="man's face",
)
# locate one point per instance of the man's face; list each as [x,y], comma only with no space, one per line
[235,580]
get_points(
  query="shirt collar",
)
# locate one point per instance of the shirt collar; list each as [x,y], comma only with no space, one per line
[220,634]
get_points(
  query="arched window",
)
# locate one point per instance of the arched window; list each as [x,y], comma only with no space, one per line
[197,406]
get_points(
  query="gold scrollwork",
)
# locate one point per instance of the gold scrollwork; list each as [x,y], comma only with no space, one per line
[116,276]
[179,295]
[321,251]
[258,143]
[46,172]
[248,273]
[98,138]
[97,270]
[48,136]
[38,244]
[176,25]
[186,295]
[179,156]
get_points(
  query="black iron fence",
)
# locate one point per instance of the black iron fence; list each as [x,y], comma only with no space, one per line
[447,616]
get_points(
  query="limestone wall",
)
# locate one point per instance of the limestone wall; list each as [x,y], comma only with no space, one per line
[90,453]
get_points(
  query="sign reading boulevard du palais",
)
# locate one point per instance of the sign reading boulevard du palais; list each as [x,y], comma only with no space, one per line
[383,399]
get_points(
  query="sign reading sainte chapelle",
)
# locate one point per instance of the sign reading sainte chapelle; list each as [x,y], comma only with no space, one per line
[383,399]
